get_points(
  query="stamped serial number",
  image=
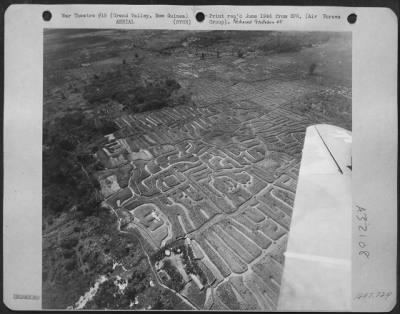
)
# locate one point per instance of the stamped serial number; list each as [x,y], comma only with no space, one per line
[26,296]
[362,228]
[373,295]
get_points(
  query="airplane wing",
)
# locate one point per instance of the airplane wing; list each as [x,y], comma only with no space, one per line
[317,271]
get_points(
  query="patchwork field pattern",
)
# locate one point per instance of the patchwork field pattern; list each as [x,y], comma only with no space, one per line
[223,175]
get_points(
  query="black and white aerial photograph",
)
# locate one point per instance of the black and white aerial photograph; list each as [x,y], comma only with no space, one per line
[196,170]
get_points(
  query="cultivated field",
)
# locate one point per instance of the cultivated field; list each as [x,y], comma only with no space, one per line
[214,171]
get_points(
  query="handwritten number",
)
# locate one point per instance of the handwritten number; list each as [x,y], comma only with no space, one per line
[362,228]
[365,253]
[360,209]
[363,217]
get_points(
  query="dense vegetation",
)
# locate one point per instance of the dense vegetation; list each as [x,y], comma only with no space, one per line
[175,281]
[69,266]
[109,296]
[68,146]
[125,87]
[79,249]
[191,267]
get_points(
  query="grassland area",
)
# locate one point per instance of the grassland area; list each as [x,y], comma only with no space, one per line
[171,159]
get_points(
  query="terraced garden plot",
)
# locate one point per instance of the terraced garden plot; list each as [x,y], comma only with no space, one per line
[235,227]
[275,214]
[272,201]
[254,214]
[216,259]
[236,247]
